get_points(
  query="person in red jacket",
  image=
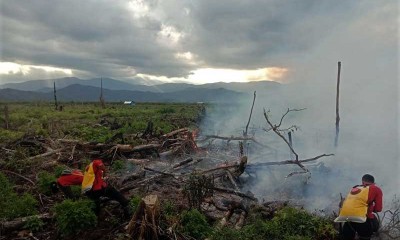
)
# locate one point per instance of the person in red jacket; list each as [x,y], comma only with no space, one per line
[100,188]
[374,202]
[66,180]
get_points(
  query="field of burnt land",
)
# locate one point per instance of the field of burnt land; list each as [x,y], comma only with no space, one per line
[181,183]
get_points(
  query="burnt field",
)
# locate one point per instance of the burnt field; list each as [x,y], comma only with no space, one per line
[186,176]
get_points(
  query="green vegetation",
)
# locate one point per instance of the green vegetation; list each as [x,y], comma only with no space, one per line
[34,224]
[118,165]
[44,182]
[73,217]
[194,224]
[83,121]
[288,224]
[89,122]
[12,205]
[134,203]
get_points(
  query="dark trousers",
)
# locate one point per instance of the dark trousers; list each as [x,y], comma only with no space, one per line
[364,230]
[109,192]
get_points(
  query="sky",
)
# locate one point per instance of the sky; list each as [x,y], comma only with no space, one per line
[198,41]
[298,43]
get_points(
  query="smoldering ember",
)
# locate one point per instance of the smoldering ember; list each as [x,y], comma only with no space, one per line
[179,183]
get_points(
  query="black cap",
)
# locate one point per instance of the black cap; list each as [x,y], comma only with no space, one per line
[368,178]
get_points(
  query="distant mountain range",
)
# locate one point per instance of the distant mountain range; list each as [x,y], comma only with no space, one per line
[75,89]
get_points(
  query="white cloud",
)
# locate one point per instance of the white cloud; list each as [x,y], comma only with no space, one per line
[169,35]
[15,68]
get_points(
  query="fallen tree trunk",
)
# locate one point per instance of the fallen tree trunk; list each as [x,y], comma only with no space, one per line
[233,138]
[226,190]
[173,133]
[184,162]
[288,161]
[18,223]
[47,153]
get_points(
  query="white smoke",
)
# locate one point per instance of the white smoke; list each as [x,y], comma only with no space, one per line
[368,137]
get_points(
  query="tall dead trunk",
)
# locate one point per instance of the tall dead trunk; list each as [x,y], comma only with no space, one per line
[337,106]
[55,97]
[6,117]
[102,102]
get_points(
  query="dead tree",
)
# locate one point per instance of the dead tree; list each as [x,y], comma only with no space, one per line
[276,129]
[55,97]
[102,101]
[337,106]
[251,112]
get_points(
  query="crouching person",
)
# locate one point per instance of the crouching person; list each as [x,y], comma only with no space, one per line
[94,186]
[357,210]
[67,179]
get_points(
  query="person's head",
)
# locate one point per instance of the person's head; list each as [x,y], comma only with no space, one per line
[367,179]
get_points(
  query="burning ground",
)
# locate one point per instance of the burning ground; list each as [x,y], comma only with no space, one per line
[232,168]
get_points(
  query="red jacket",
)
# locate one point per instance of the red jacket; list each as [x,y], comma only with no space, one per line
[98,167]
[375,196]
[75,178]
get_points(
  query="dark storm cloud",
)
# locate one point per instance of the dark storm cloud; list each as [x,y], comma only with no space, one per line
[99,37]
[109,38]
[255,33]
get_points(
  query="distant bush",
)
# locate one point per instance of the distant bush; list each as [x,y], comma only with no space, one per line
[73,217]
[12,205]
[166,110]
[194,224]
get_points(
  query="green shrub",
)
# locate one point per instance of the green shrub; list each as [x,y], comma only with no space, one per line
[293,222]
[169,208]
[134,203]
[227,233]
[73,217]
[34,224]
[194,224]
[44,182]
[58,170]
[118,165]
[166,110]
[12,205]
[288,224]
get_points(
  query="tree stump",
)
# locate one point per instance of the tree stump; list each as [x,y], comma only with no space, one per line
[144,223]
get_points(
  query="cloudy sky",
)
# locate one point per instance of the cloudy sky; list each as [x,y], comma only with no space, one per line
[198,41]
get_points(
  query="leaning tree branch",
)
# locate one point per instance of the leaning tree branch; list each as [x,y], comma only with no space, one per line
[251,111]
